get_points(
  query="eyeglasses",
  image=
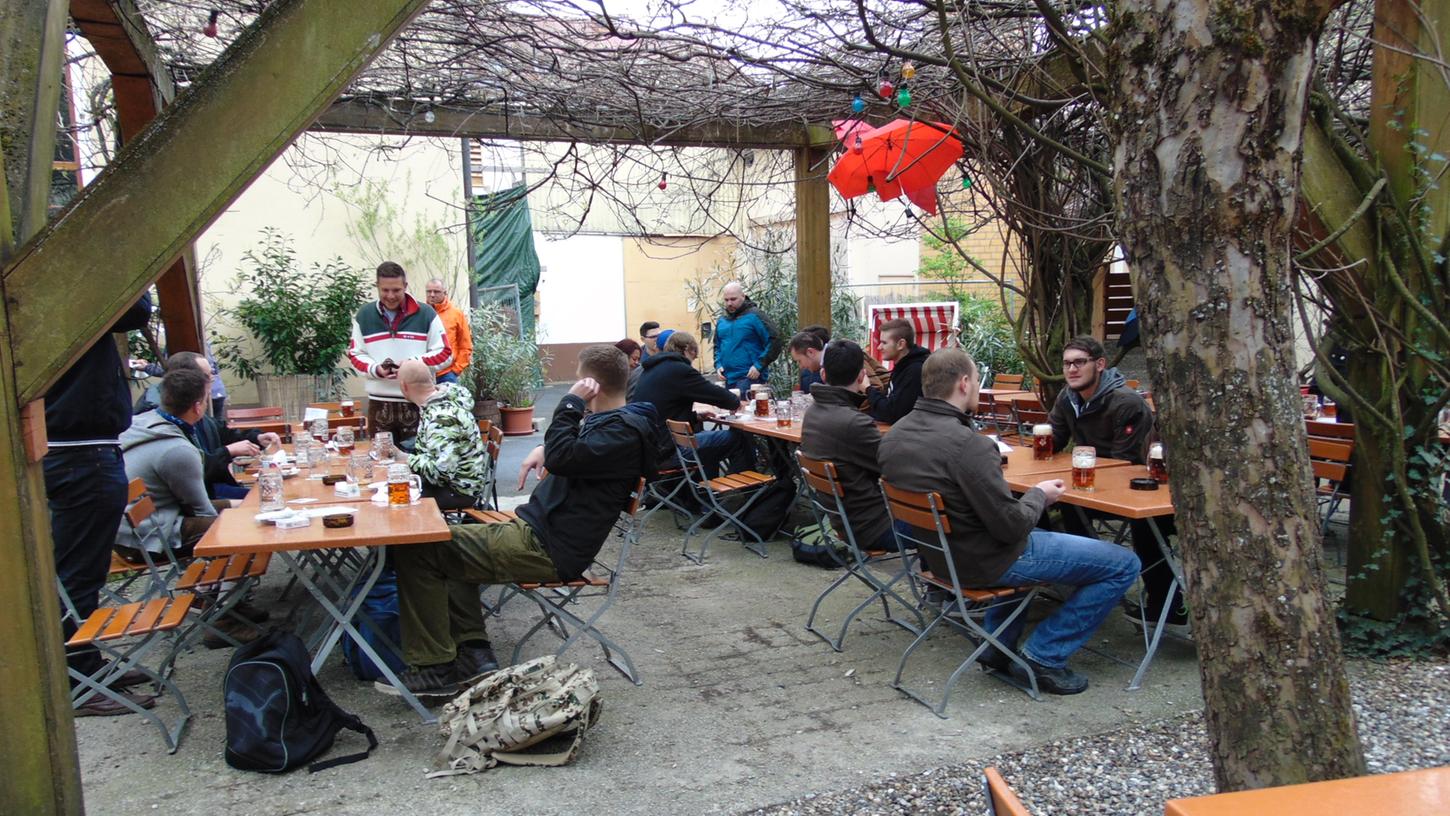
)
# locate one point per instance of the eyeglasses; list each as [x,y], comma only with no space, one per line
[654,336]
[1077,362]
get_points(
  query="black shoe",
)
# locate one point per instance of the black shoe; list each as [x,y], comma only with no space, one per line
[250,612]
[1176,617]
[475,660]
[993,660]
[440,680]
[1053,681]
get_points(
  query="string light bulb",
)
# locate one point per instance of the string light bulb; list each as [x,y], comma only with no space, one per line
[908,71]
[903,97]
[858,145]
[429,116]
[886,89]
[858,104]
[210,29]
[664,180]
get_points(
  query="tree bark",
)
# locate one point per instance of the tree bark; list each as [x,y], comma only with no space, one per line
[1209,108]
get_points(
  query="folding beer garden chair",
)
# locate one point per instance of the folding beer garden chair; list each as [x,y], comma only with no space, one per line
[926,513]
[827,500]
[715,493]
[126,635]
[664,490]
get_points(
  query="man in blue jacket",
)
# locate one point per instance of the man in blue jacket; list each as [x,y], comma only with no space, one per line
[746,341]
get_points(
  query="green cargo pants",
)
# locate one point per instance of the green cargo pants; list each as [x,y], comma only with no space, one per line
[437,584]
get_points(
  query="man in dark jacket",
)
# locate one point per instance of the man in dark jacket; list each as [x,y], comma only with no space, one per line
[746,340]
[673,386]
[592,463]
[834,429]
[992,540]
[898,345]
[85,484]
[1097,408]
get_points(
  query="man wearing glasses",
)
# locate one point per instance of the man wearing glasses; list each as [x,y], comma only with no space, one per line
[649,336]
[1099,409]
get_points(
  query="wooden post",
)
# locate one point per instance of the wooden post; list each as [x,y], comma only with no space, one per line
[38,752]
[813,237]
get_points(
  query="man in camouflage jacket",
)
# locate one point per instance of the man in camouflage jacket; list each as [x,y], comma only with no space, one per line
[449,452]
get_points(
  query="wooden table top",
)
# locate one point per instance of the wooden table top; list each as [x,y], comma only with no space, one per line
[1410,793]
[1111,494]
[1020,463]
[236,531]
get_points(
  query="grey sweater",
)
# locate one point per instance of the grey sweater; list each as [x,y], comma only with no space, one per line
[159,454]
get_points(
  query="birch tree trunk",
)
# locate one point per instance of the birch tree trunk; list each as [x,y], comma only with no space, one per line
[1208,109]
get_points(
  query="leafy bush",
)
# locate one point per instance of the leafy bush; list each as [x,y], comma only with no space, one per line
[302,321]
[987,334]
[505,366]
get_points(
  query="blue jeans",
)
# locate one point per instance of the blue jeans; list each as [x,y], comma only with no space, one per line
[230,491]
[741,382]
[1102,573]
[715,447]
[450,377]
[86,490]
[888,541]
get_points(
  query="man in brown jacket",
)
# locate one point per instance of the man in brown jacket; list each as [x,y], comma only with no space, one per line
[835,429]
[993,541]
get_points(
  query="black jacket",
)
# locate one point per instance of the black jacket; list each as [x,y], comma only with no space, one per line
[594,462]
[92,400]
[674,386]
[834,429]
[905,389]
[1116,421]
[213,437]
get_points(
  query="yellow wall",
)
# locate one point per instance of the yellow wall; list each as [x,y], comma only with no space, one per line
[655,274]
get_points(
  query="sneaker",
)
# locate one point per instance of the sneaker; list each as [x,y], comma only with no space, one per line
[243,633]
[1053,681]
[437,681]
[475,660]
[1177,618]
[99,706]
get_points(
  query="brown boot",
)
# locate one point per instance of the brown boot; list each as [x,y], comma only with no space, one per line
[98,706]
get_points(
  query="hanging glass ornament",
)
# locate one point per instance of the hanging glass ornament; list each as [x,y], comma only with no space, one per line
[908,71]
[903,97]
[857,146]
[858,104]
[886,89]
[210,28]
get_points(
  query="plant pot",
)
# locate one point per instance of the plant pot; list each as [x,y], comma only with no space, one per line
[517,421]
[292,392]
[487,409]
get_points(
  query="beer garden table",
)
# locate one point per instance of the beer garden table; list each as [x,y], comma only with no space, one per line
[1113,496]
[337,566]
[1409,793]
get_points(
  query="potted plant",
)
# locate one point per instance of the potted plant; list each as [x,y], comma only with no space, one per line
[520,374]
[297,324]
[488,326]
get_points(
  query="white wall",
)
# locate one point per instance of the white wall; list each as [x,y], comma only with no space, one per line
[581,289]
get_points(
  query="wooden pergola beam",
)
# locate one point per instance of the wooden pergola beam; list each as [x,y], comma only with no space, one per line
[69,283]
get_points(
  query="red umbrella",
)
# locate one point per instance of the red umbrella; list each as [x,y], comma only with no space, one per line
[901,156]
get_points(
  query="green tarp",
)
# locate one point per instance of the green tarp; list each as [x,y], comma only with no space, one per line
[503,240]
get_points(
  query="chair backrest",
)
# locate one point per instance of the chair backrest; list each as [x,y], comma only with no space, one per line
[495,443]
[1330,458]
[484,427]
[134,490]
[925,513]
[828,495]
[1330,430]
[690,462]
[1008,381]
[268,412]
[1001,800]
[681,432]
[332,407]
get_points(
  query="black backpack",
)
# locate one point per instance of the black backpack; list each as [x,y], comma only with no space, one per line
[278,716]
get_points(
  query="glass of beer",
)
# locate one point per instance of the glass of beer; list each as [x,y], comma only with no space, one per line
[345,407]
[1157,468]
[383,445]
[1084,468]
[762,401]
[784,412]
[301,444]
[401,484]
[345,440]
[1042,442]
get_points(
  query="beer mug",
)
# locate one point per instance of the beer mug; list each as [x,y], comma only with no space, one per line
[784,411]
[1084,468]
[360,468]
[762,401]
[1157,468]
[1311,407]
[1041,442]
[401,484]
[345,407]
[383,445]
[300,446]
[269,490]
[319,429]
[345,439]
[317,459]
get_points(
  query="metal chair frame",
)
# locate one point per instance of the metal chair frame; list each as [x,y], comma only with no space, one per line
[747,484]
[822,476]
[926,511]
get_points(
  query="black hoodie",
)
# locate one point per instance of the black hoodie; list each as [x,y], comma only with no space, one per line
[674,386]
[593,462]
[903,392]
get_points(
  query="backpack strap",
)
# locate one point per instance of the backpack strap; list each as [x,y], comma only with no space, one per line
[351,723]
[555,758]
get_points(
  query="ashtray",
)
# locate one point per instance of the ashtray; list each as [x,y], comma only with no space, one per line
[333,478]
[1143,483]
[337,520]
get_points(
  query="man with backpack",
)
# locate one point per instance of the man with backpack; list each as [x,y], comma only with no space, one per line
[592,462]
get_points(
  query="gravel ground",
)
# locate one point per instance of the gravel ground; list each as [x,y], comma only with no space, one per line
[1403,724]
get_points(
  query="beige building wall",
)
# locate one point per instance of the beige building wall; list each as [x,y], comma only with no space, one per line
[656,274]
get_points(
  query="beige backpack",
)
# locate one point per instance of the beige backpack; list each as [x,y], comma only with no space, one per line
[513,709]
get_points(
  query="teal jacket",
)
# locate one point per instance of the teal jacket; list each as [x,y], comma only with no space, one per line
[744,339]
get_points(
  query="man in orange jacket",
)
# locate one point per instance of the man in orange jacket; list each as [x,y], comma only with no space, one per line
[455,326]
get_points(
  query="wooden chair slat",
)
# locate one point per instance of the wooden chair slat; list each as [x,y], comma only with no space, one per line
[236,567]
[923,519]
[192,574]
[134,489]
[214,571]
[120,622]
[148,616]
[176,613]
[92,626]
[822,485]
[140,510]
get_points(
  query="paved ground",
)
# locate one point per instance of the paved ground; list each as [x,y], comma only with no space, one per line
[741,708]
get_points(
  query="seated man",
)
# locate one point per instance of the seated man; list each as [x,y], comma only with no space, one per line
[448,452]
[592,461]
[805,349]
[898,344]
[1098,408]
[160,449]
[219,443]
[673,386]
[992,540]
[834,429]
